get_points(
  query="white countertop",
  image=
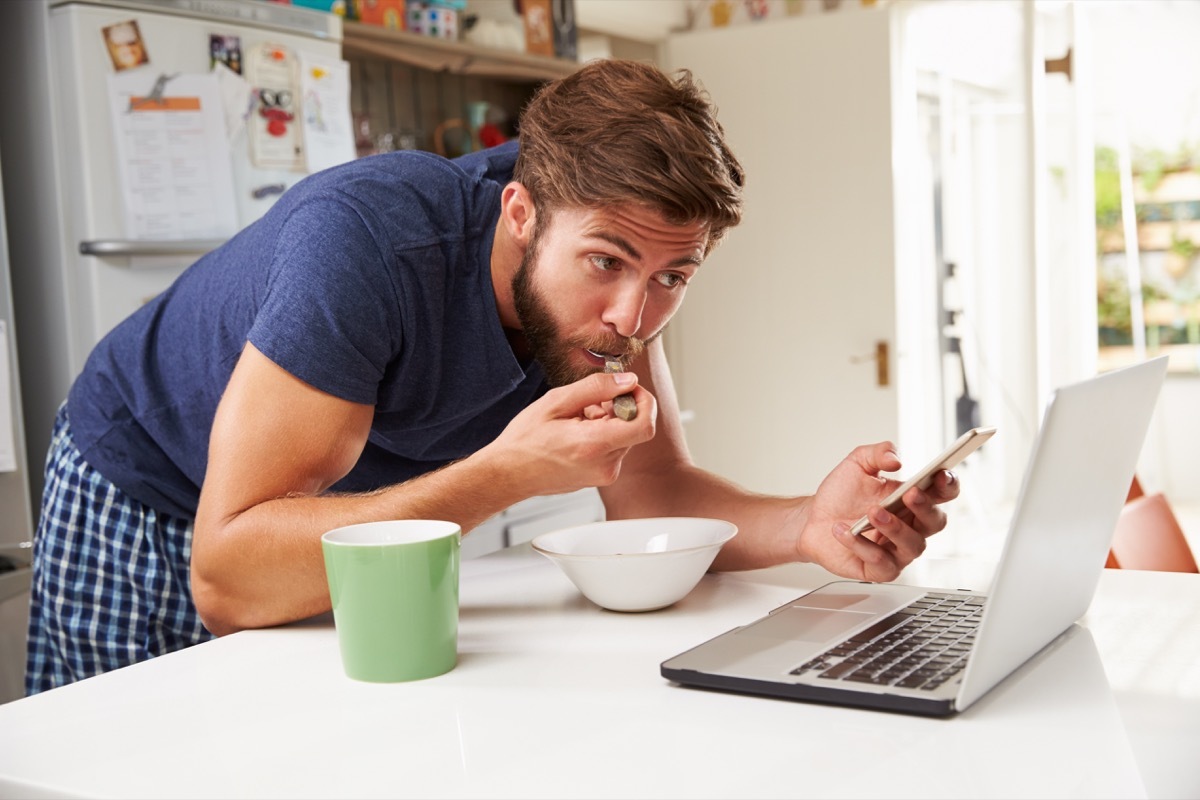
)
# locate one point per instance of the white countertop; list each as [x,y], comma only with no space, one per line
[554,697]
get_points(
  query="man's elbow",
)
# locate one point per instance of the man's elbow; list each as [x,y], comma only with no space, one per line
[218,610]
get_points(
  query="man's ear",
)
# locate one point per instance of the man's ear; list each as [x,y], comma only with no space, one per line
[517,213]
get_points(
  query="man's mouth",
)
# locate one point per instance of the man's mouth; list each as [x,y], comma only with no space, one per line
[603,358]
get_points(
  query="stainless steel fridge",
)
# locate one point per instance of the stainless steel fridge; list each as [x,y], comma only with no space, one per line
[85,252]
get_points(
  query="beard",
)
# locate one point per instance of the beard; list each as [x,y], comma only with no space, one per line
[549,348]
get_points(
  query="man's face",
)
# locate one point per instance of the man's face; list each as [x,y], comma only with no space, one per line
[596,283]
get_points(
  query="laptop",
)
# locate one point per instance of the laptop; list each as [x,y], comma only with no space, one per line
[936,651]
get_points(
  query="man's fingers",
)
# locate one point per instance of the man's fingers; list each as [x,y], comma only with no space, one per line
[876,458]
[574,398]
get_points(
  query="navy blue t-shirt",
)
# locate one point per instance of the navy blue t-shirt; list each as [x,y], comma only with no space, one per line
[369,281]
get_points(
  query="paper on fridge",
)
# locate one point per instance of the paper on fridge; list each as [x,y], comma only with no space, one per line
[325,108]
[8,445]
[275,134]
[172,156]
[237,100]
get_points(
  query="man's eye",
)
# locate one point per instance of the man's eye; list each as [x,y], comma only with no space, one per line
[604,262]
[672,280]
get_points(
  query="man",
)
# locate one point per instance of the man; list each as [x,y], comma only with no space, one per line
[409,337]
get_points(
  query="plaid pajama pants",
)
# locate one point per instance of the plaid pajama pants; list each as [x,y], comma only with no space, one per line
[110,576]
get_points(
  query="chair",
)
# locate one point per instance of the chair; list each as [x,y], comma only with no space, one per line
[1135,490]
[1148,536]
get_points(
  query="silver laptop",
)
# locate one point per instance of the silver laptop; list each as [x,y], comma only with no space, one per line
[937,651]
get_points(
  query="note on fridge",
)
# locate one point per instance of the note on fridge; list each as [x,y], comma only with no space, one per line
[172,155]
[276,139]
[325,109]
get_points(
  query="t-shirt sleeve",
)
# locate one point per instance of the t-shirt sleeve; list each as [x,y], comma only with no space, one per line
[329,315]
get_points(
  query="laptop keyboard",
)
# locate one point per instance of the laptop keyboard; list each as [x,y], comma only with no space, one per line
[918,647]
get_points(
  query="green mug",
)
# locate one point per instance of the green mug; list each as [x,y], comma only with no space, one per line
[394,588]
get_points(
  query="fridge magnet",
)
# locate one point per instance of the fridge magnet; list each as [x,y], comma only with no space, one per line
[125,45]
[275,106]
[225,50]
[275,133]
[155,96]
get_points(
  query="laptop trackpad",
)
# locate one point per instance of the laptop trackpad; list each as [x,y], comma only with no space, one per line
[797,624]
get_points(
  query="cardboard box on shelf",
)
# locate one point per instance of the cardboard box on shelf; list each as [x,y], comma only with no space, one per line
[437,18]
[339,7]
[386,13]
[539,27]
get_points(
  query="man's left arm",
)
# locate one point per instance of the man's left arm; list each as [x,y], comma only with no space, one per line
[658,478]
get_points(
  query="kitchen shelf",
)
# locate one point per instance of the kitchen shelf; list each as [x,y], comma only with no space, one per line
[439,55]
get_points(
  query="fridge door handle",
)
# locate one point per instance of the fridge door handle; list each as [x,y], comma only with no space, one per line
[132,247]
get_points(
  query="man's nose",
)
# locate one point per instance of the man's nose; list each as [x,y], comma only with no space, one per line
[624,311]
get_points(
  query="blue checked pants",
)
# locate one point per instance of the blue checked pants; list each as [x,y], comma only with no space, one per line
[110,576]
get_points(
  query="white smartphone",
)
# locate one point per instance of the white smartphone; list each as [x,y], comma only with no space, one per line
[951,457]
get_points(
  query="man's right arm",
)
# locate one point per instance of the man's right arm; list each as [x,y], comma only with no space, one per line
[278,444]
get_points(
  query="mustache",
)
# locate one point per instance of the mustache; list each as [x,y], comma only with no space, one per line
[625,348]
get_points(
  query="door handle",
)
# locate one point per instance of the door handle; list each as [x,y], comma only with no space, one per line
[880,356]
[1062,65]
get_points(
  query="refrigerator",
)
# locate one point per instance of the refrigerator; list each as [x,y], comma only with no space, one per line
[136,136]
[15,518]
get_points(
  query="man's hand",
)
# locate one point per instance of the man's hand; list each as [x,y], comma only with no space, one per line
[570,439]
[855,487]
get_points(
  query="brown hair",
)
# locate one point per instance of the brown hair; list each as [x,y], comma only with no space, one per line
[618,132]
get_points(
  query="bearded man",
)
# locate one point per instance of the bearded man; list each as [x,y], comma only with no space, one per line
[406,336]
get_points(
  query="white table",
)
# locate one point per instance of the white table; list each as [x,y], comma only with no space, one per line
[554,697]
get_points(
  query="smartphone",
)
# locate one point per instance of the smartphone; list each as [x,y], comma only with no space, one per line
[949,458]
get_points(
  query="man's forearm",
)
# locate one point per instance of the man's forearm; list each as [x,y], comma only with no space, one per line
[265,566]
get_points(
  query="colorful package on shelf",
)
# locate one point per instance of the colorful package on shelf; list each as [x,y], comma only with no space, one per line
[436,19]
[339,7]
[385,13]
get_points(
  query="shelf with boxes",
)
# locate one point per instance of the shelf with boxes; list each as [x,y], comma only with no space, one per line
[418,91]
[443,55]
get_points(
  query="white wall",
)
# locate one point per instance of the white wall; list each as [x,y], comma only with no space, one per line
[643,20]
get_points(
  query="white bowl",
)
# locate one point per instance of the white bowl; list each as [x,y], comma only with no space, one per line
[636,564]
